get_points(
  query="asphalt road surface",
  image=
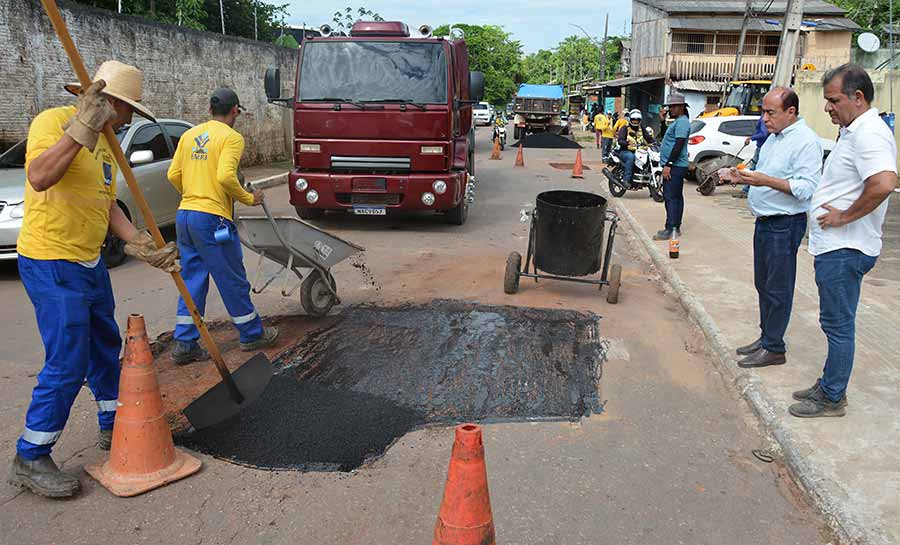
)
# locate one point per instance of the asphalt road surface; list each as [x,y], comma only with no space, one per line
[668,461]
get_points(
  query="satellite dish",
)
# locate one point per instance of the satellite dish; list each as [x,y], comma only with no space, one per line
[868,42]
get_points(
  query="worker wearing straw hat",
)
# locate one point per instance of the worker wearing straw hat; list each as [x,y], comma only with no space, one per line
[70,205]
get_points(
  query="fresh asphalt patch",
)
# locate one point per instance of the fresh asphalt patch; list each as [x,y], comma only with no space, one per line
[547,140]
[345,393]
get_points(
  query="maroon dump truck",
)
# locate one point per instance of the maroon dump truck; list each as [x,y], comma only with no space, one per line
[382,122]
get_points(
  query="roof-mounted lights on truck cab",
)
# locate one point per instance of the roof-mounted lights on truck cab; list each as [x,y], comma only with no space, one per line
[425,31]
[380,28]
[326,31]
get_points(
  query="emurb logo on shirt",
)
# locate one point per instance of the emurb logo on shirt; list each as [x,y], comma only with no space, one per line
[199,151]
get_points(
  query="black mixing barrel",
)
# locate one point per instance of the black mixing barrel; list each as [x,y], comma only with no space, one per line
[568,232]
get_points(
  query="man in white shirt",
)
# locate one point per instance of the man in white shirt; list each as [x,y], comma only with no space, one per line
[846,214]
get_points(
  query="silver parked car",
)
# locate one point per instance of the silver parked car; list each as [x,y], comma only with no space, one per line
[149,147]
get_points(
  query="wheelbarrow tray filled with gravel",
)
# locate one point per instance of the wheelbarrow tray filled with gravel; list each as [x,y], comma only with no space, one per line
[294,244]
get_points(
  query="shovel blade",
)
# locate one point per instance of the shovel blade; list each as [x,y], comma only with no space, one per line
[218,405]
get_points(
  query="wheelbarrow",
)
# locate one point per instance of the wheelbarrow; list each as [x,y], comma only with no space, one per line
[294,244]
[565,239]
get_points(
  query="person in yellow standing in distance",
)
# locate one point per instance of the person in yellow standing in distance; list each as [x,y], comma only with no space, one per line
[604,125]
[204,171]
[70,205]
[600,120]
[621,122]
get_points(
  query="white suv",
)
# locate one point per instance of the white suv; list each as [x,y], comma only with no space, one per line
[481,113]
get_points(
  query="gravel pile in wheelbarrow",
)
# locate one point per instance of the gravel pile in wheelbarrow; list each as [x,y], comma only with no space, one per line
[346,392]
[547,140]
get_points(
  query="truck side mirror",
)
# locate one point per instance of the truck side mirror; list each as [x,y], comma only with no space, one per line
[273,83]
[476,86]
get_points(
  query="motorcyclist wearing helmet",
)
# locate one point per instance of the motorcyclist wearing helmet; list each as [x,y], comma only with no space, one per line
[632,137]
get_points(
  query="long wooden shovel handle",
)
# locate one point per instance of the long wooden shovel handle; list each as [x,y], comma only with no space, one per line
[78,65]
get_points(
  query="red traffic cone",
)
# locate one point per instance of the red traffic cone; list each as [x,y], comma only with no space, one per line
[520,158]
[495,154]
[142,456]
[578,170]
[465,517]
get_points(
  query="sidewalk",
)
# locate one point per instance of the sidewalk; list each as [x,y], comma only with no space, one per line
[850,466]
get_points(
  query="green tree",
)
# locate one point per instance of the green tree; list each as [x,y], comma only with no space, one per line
[492,51]
[573,59]
[344,19]
[870,14]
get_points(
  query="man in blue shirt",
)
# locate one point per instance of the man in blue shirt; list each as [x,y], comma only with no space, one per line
[673,155]
[789,169]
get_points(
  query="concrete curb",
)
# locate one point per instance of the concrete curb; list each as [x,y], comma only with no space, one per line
[270,181]
[826,495]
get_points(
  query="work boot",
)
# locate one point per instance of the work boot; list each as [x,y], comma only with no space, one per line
[187,352]
[42,477]
[104,439]
[818,405]
[265,340]
[748,349]
[762,358]
[665,234]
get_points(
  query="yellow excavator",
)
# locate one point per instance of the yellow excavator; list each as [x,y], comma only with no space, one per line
[742,98]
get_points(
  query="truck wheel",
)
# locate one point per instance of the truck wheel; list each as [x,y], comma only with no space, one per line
[511,277]
[458,215]
[615,282]
[309,213]
[314,294]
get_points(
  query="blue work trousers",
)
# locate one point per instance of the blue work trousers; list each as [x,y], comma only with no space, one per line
[673,194]
[839,276]
[776,240]
[606,145]
[202,256]
[74,308]
[627,165]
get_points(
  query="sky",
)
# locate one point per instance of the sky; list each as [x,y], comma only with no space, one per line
[537,24]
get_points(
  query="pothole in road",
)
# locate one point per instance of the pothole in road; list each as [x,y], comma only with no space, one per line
[344,394]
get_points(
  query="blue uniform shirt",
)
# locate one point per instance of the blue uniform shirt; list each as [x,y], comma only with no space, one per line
[680,129]
[795,155]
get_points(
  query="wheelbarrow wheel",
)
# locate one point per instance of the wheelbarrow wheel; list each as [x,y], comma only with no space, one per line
[315,297]
[615,281]
[511,278]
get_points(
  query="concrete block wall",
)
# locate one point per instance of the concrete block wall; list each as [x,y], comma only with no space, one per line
[181,68]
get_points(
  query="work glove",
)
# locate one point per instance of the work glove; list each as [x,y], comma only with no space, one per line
[93,111]
[144,248]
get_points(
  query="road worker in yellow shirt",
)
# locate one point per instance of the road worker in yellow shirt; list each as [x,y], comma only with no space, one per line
[204,171]
[70,204]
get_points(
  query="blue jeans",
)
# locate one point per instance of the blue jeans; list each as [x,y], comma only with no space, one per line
[775,244]
[606,145]
[75,310]
[673,193]
[627,165]
[839,275]
[202,256]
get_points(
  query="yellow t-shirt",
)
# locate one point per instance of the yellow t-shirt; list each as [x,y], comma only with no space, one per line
[600,122]
[70,219]
[204,169]
[619,124]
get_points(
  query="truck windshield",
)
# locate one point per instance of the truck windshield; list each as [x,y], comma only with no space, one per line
[374,71]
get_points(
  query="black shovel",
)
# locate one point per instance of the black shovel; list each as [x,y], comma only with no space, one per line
[237,390]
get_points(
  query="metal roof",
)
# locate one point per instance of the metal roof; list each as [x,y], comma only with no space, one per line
[810,7]
[621,82]
[698,86]
[822,24]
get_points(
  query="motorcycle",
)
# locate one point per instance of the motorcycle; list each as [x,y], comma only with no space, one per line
[499,132]
[647,173]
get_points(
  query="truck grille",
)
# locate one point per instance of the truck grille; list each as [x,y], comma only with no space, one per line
[370,164]
[379,199]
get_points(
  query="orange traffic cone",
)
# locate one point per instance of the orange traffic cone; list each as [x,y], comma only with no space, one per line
[520,158]
[142,456]
[578,170]
[495,155]
[465,517]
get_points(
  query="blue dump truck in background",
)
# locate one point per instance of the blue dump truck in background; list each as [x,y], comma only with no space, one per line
[538,108]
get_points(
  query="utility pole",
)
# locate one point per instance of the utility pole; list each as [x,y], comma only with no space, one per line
[255,27]
[222,15]
[736,73]
[603,49]
[787,49]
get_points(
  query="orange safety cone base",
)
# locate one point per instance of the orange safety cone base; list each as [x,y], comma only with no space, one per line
[125,486]
[520,158]
[495,153]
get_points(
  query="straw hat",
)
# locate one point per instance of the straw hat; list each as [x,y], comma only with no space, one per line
[123,81]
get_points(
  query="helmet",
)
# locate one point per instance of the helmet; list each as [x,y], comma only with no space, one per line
[635,115]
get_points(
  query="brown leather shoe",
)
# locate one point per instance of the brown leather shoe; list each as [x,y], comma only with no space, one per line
[762,358]
[748,349]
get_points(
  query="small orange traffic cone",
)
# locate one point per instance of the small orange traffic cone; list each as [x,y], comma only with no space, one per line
[520,158]
[495,155]
[578,170]
[142,456]
[465,517]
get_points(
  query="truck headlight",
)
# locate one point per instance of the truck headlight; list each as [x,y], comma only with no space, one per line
[427,198]
[17,211]
[312,196]
[439,187]
[301,184]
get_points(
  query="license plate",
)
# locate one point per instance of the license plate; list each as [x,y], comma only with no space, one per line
[369,211]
